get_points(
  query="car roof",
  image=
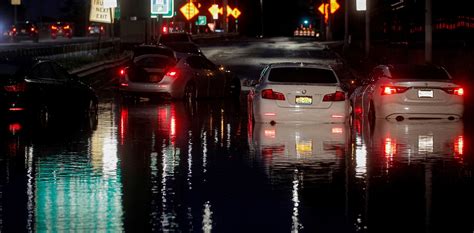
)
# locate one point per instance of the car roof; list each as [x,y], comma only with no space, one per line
[26,62]
[300,64]
[152,49]
[150,55]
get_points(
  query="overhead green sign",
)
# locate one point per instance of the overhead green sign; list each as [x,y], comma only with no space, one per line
[201,21]
[162,7]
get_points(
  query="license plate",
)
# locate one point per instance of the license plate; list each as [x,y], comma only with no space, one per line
[153,78]
[304,148]
[425,93]
[305,100]
[23,30]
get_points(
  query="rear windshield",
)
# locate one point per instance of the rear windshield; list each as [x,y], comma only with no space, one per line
[23,25]
[168,38]
[9,71]
[301,75]
[419,72]
[155,62]
[152,50]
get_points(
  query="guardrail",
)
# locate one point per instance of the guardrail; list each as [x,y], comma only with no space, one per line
[50,50]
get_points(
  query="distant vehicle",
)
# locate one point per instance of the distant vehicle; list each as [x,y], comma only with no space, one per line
[185,48]
[61,29]
[175,37]
[190,78]
[24,31]
[152,49]
[44,89]
[95,30]
[298,93]
[405,91]
[143,75]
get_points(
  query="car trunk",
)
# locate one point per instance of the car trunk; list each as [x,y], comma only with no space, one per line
[304,96]
[426,91]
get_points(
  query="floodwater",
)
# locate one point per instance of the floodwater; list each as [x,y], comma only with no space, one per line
[168,166]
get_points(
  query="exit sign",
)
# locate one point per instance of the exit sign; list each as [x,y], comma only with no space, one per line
[201,21]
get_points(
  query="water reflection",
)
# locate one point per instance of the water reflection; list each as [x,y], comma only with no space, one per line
[310,160]
[177,167]
[165,151]
[65,178]
[410,175]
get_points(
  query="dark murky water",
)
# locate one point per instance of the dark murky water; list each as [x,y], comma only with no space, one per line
[172,167]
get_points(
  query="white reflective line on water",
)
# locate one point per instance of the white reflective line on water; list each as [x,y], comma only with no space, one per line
[207,218]
[190,160]
[29,190]
[295,225]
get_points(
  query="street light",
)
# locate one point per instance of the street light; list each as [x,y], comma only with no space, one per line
[261,18]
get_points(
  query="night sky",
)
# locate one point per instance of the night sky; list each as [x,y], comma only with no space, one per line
[276,20]
[281,17]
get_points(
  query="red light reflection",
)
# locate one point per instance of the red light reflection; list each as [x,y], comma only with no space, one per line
[459,146]
[123,124]
[14,128]
[390,148]
[270,133]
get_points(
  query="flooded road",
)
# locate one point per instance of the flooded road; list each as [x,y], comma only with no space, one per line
[173,167]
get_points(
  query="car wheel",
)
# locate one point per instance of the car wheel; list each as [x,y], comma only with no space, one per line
[91,109]
[91,114]
[371,116]
[190,93]
[351,114]
[43,116]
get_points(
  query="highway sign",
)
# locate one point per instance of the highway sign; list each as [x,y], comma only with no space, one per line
[201,21]
[189,10]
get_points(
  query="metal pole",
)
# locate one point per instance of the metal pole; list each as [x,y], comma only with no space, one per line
[346,24]
[367,28]
[428,32]
[329,21]
[226,19]
[15,14]
[261,17]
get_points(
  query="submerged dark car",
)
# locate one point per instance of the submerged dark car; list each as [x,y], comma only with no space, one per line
[185,48]
[152,49]
[43,89]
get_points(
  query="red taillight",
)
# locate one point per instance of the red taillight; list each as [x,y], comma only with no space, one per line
[19,87]
[32,29]
[459,91]
[122,72]
[165,29]
[54,27]
[273,95]
[90,28]
[454,91]
[172,73]
[336,96]
[14,29]
[66,27]
[389,90]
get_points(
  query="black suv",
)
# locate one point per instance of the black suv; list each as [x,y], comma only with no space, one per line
[24,31]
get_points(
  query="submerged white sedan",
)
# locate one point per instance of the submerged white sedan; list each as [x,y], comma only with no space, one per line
[409,92]
[298,93]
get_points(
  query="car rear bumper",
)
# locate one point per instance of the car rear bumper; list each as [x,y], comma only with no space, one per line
[337,113]
[150,89]
[391,111]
